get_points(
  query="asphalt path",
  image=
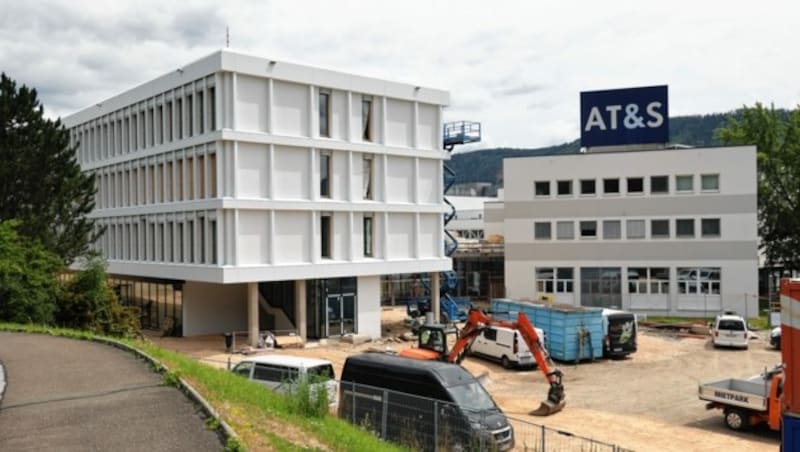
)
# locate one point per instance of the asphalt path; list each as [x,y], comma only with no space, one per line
[70,395]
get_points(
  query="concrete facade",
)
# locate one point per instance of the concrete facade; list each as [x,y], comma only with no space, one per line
[236,169]
[664,232]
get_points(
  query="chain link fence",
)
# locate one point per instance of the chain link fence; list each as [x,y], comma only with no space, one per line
[428,424]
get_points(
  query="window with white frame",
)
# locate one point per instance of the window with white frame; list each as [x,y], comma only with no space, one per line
[324,113]
[588,186]
[564,187]
[368,244]
[635,185]
[612,229]
[366,118]
[555,280]
[684,183]
[611,186]
[325,235]
[367,177]
[541,230]
[635,229]
[709,227]
[709,182]
[659,229]
[684,227]
[652,280]
[659,184]
[325,174]
[699,280]
[541,188]
[588,229]
[565,230]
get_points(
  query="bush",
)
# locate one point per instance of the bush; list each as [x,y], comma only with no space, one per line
[309,396]
[87,302]
[28,282]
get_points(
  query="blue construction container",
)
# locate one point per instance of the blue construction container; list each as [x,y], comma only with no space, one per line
[790,432]
[572,332]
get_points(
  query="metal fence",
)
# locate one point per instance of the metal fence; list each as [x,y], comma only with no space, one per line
[429,424]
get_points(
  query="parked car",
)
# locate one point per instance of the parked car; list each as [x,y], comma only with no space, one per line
[619,333]
[775,337]
[281,372]
[431,402]
[505,346]
[730,330]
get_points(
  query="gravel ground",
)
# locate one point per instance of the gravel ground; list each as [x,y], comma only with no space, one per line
[647,402]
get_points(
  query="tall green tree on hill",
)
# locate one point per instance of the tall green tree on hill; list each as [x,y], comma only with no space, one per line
[41,183]
[776,135]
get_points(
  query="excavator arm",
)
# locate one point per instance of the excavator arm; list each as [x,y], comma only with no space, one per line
[478,321]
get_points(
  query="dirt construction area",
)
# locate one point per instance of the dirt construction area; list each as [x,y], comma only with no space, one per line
[646,402]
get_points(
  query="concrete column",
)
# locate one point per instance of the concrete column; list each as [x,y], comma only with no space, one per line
[252,313]
[300,308]
[435,296]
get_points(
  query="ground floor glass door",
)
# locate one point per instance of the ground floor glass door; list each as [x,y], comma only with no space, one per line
[332,306]
[601,287]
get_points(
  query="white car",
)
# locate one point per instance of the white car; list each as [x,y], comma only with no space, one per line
[730,331]
[506,346]
[280,372]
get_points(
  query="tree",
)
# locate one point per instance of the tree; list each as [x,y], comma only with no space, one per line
[86,302]
[776,134]
[28,283]
[41,183]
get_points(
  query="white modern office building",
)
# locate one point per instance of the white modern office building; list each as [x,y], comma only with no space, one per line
[468,221]
[662,231]
[242,193]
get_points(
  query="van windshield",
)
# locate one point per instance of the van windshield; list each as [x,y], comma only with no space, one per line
[471,396]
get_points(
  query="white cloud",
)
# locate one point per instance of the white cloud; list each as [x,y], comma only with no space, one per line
[517,67]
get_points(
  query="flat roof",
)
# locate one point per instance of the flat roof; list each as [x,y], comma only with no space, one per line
[632,151]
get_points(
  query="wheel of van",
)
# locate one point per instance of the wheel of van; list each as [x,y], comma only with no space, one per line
[444,318]
[736,419]
[505,362]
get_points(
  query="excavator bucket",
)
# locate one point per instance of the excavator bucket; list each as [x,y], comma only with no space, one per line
[547,408]
[555,399]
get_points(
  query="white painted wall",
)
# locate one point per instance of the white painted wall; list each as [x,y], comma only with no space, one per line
[253,237]
[369,306]
[292,172]
[429,188]
[429,127]
[294,230]
[251,103]
[429,227]
[214,308]
[401,244]
[399,181]
[339,175]
[252,172]
[291,108]
[399,120]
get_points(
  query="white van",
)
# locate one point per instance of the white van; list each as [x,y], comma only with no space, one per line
[730,331]
[506,346]
[278,372]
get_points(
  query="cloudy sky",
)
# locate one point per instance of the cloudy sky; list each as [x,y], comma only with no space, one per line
[517,67]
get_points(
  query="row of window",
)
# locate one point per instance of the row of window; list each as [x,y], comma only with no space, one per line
[634,229]
[175,176]
[324,103]
[326,235]
[166,117]
[659,185]
[190,239]
[640,280]
[326,170]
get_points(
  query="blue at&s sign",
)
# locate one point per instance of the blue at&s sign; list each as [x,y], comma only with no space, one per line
[624,116]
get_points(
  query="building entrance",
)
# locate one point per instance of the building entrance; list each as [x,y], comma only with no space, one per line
[332,307]
[601,287]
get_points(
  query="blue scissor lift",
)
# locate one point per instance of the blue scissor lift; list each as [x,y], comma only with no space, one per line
[453,308]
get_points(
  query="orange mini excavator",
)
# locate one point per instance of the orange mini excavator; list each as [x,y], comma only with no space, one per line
[433,340]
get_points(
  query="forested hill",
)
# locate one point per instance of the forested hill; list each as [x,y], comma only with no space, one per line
[486,165]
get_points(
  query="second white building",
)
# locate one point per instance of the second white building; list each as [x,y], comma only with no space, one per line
[667,232]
